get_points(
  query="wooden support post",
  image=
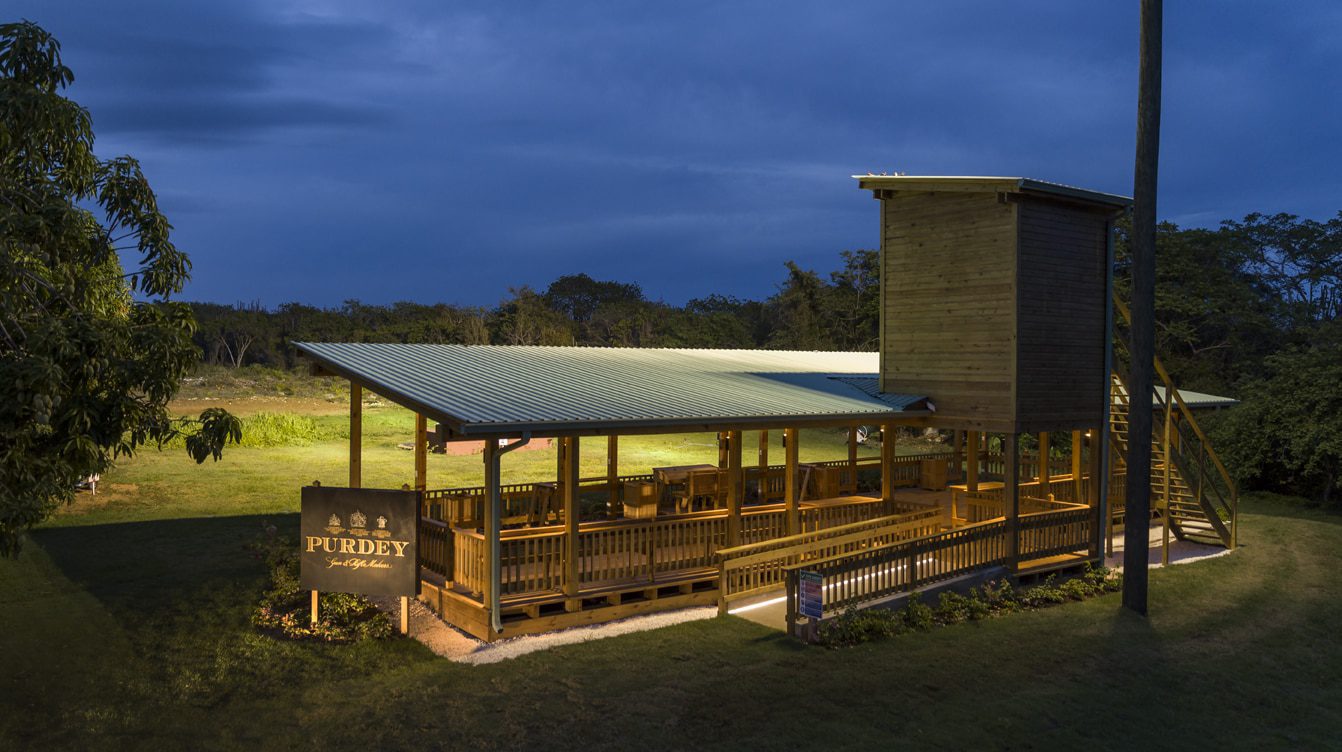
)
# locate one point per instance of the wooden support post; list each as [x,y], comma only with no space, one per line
[957,454]
[491,525]
[1165,483]
[888,434]
[1043,474]
[1078,482]
[421,453]
[763,460]
[405,615]
[1011,495]
[972,468]
[355,435]
[314,606]
[568,487]
[791,491]
[852,456]
[612,473]
[735,488]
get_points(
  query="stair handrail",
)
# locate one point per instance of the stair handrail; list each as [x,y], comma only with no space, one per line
[1170,389]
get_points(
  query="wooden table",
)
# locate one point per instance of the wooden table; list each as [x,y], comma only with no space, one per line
[677,473]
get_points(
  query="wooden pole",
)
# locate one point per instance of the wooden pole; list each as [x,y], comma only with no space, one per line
[568,484]
[612,473]
[314,606]
[355,435]
[1011,495]
[735,488]
[972,467]
[421,453]
[405,615]
[791,493]
[763,460]
[1141,347]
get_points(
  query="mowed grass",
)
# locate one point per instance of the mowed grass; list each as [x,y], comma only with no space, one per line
[166,484]
[135,635]
[125,626]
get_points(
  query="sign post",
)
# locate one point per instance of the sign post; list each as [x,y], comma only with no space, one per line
[360,540]
[811,599]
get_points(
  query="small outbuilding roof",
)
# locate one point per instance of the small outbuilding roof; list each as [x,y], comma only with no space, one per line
[484,390]
[988,184]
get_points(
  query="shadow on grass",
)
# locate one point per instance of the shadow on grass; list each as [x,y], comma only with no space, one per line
[162,564]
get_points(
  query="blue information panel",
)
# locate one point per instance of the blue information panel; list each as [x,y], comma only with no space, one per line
[810,594]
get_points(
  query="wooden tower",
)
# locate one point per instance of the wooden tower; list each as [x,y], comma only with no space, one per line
[995,299]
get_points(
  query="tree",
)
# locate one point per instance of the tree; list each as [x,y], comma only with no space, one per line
[89,354]
[1287,435]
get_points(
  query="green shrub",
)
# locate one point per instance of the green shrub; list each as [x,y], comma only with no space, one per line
[996,597]
[854,627]
[953,608]
[918,615]
[285,608]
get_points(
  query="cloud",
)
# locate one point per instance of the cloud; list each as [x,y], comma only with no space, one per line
[440,151]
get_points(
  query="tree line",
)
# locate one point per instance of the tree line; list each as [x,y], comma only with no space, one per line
[1250,309]
[810,311]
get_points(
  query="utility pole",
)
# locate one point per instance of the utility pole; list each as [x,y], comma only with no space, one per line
[1141,346]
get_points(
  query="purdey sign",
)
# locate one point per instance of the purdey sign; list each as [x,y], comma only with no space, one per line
[358,540]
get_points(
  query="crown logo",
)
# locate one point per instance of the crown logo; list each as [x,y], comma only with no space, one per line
[358,519]
[334,521]
[381,522]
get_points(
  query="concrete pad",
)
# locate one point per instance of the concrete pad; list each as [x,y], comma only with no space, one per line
[1181,552]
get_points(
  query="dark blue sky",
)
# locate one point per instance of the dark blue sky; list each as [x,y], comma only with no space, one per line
[442,151]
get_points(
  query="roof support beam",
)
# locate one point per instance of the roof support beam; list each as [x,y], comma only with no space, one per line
[355,435]
[612,473]
[568,486]
[791,491]
[735,488]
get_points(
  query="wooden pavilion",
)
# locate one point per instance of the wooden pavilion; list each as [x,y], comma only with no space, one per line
[997,321]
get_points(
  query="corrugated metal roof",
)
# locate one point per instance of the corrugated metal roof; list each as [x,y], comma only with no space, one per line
[989,183]
[483,389]
[1198,399]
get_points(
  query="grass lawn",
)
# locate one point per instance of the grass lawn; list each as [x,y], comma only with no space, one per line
[254,480]
[125,625]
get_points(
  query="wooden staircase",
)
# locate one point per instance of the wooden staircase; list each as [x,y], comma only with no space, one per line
[1194,514]
[1189,484]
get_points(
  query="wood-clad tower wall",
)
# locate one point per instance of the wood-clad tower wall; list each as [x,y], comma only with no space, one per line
[993,302]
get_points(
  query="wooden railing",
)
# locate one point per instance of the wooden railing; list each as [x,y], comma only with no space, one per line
[1186,446]
[629,551]
[435,547]
[989,503]
[1044,534]
[756,567]
[853,578]
[521,502]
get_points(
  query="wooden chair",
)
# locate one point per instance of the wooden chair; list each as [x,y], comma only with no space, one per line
[699,485]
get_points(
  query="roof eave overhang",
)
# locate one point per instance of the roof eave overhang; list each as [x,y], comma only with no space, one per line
[453,422]
[469,431]
[969,184]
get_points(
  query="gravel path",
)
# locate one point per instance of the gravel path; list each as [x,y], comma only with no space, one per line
[457,646]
